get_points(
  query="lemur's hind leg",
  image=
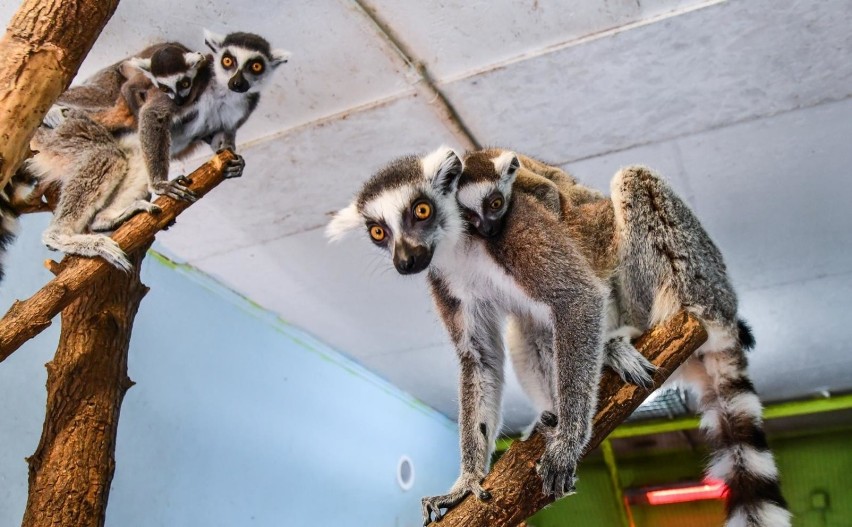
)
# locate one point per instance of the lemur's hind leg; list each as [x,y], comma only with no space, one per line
[130,198]
[671,262]
[95,176]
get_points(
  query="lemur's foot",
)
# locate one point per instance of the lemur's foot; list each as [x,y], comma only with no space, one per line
[177,188]
[558,467]
[626,360]
[55,116]
[466,484]
[108,249]
[234,167]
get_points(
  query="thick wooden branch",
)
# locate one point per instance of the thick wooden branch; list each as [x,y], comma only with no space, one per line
[75,275]
[72,468]
[43,47]
[514,485]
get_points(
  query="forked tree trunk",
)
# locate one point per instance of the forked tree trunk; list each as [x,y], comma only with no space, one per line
[43,47]
[72,468]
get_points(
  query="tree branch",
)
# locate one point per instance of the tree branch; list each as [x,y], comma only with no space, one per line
[43,47]
[513,482]
[30,317]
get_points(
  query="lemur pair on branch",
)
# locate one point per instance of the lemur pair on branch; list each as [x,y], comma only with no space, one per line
[576,274]
[107,143]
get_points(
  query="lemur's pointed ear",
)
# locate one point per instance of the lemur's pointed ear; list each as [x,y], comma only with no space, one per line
[344,220]
[135,65]
[194,59]
[279,56]
[443,167]
[213,40]
[507,165]
[140,63]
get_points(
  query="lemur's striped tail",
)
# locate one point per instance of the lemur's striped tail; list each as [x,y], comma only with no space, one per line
[732,421]
[8,224]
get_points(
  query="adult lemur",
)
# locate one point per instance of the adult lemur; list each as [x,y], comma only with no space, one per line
[107,185]
[530,271]
[647,238]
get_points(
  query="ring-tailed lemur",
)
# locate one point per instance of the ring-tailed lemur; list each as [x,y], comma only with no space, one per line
[239,66]
[106,97]
[485,198]
[164,128]
[530,271]
[224,91]
[101,173]
[664,261]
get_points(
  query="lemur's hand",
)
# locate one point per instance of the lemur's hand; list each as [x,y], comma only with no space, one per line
[558,465]
[176,189]
[234,167]
[466,484]
[55,116]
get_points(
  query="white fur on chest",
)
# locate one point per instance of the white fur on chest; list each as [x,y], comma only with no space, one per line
[218,109]
[474,277]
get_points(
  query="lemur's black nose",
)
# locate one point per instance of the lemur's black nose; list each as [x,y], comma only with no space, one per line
[411,259]
[238,83]
[405,265]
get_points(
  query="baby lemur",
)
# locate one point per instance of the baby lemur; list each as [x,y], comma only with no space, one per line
[530,270]
[663,261]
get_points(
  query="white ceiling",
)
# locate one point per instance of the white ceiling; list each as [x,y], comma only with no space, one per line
[744,105]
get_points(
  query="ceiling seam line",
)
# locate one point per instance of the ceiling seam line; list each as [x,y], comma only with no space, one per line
[707,129]
[426,83]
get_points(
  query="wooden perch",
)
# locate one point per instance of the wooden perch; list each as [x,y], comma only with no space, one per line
[43,47]
[513,482]
[74,275]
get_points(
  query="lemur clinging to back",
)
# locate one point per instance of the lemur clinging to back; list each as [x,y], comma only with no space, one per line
[530,270]
[101,172]
[214,106]
[664,261]
[92,161]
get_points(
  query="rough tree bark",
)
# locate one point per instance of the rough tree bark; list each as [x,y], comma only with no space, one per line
[43,47]
[514,485]
[26,319]
[72,468]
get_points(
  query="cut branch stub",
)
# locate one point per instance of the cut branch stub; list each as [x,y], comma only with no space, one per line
[515,487]
[28,318]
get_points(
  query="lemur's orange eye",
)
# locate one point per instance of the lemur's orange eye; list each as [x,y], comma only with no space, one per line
[422,211]
[496,203]
[184,84]
[377,233]
[227,61]
[257,67]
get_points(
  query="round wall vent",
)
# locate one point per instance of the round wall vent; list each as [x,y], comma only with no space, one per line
[405,473]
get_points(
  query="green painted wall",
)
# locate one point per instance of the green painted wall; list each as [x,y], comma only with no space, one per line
[813,465]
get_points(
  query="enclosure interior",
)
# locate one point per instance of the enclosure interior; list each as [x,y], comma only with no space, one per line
[266,389]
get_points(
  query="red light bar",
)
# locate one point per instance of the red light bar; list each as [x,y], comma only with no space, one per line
[709,490]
